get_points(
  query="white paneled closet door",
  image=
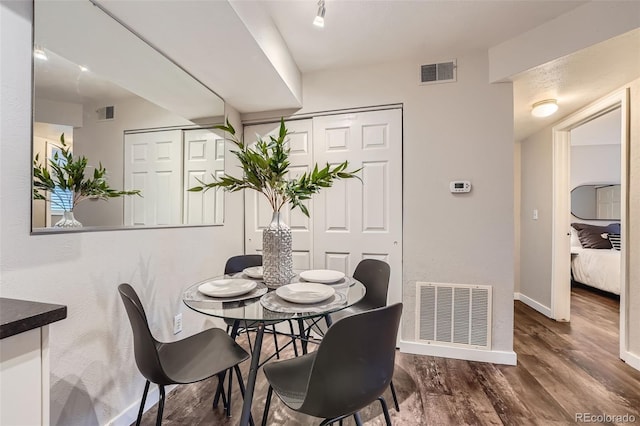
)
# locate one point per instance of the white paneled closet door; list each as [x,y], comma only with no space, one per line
[258,212]
[153,164]
[203,158]
[356,220]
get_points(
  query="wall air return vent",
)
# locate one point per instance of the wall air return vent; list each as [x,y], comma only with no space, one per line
[106,113]
[443,72]
[454,314]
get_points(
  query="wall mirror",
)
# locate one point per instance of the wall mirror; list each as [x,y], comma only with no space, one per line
[122,104]
[596,202]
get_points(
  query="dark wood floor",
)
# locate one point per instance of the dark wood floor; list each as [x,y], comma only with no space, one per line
[563,369]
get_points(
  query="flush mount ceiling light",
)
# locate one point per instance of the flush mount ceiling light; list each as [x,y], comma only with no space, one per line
[544,108]
[83,68]
[39,53]
[319,20]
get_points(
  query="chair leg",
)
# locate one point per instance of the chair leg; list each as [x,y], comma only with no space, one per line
[144,399]
[220,391]
[229,393]
[395,397]
[160,406]
[267,404]
[385,411]
[357,418]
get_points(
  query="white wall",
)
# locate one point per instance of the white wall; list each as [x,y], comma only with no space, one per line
[595,151]
[535,235]
[93,375]
[595,164]
[461,130]
[55,112]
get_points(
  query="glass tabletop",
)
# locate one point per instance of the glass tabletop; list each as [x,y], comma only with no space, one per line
[249,306]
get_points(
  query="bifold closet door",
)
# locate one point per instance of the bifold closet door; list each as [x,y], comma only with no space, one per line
[355,220]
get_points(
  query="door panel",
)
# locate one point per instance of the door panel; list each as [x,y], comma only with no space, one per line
[204,157]
[153,162]
[360,220]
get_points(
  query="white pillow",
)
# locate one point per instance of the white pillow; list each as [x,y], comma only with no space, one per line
[575,241]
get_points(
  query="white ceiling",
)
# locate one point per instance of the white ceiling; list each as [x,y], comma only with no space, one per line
[212,40]
[365,32]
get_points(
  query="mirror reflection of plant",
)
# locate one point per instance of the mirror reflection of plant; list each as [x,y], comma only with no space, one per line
[265,167]
[65,173]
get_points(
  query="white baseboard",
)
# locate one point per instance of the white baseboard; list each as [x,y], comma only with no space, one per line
[516,296]
[632,360]
[130,414]
[494,357]
[544,310]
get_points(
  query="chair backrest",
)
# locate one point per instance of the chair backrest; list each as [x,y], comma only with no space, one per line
[145,346]
[237,264]
[374,274]
[354,363]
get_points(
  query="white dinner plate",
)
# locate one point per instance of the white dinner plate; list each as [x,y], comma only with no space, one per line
[254,272]
[305,292]
[325,276]
[227,287]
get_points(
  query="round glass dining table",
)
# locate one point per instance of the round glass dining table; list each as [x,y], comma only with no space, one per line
[262,306]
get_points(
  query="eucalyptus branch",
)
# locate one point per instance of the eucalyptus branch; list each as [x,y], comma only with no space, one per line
[265,166]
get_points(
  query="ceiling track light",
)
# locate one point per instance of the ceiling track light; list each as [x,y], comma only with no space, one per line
[544,108]
[319,19]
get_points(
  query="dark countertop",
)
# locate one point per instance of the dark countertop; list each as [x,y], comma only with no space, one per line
[18,316]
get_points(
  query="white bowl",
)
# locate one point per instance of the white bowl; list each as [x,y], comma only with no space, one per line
[227,287]
[254,272]
[305,292]
[325,276]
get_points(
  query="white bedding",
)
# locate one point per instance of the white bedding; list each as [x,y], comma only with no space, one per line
[597,268]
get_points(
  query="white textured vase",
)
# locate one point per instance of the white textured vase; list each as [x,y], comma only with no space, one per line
[68,221]
[277,258]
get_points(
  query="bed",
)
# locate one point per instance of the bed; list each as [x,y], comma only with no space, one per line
[597,267]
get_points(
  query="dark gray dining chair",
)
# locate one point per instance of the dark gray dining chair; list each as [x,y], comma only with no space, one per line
[198,357]
[351,368]
[374,275]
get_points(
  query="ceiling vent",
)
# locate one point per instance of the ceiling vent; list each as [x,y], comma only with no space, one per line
[106,113]
[443,72]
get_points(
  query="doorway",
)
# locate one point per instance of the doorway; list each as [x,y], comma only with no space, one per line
[561,235]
